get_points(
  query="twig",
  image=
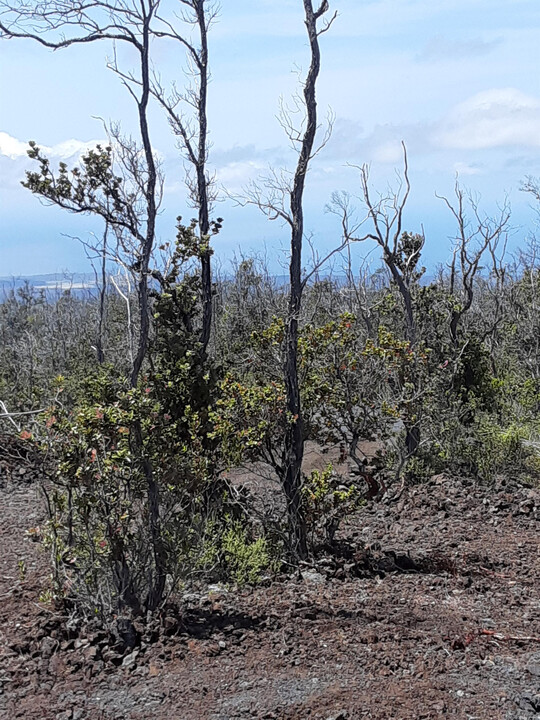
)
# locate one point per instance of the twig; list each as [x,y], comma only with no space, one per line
[18,414]
[487,571]
[508,638]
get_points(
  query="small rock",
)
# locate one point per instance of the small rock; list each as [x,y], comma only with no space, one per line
[312,576]
[112,657]
[529,700]
[126,632]
[91,653]
[533,665]
[48,646]
[526,507]
[97,638]
[170,624]
[56,665]
[192,598]
[129,660]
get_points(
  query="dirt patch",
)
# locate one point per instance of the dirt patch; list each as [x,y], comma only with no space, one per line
[431,608]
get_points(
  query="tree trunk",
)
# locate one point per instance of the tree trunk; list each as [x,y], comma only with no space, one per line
[294,438]
[157,583]
[202,180]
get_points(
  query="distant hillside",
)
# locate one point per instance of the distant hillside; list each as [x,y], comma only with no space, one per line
[56,283]
[51,283]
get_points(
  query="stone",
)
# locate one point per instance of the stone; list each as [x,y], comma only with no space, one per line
[91,653]
[312,576]
[112,657]
[533,664]
[130,660]
[126,632]
[48,646]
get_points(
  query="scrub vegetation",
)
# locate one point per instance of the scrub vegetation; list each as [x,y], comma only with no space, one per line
[170,406]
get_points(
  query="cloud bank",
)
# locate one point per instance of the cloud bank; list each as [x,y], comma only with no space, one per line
[13,148]
[493,118]
[499,119]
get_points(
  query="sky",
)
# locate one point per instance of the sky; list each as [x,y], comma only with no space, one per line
[458,81]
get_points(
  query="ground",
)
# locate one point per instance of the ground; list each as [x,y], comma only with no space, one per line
[432,610]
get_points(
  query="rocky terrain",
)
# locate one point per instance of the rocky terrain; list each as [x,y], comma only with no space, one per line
[430,609]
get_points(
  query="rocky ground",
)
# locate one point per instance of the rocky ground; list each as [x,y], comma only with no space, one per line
[432,610]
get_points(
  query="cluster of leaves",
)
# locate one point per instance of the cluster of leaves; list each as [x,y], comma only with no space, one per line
[327,501]
[237,553]
[248,418]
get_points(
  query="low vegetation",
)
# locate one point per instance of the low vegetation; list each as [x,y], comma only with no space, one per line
[471,404]
[147,395]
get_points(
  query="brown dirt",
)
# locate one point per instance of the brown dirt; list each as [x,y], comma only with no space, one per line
[432,610]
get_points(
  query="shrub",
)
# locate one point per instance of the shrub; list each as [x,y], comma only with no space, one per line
[327,501]
[246,558]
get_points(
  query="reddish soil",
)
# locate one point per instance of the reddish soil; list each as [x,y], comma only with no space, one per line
[432,610]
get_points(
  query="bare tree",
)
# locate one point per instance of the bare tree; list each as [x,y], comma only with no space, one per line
[473,239]
[192,134]
[115,21]
[280,195]
[401,250]
[62,23]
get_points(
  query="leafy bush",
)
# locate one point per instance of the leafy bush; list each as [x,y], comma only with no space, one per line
[496,450]
[327,501]
[245,557]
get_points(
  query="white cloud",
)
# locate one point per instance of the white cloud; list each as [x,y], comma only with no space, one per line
[489,123]
[493,118]
[13,148]
[14,160]
[71,148]
[388,152]
[350,142]
[236,175]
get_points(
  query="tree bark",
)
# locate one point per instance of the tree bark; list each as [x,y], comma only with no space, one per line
[202,180]
[293,452]
[157,586]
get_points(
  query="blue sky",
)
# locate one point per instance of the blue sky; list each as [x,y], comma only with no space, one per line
[458,81]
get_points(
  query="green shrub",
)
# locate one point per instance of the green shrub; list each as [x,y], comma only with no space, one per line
[246,558]
[327,501]
[498,450]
